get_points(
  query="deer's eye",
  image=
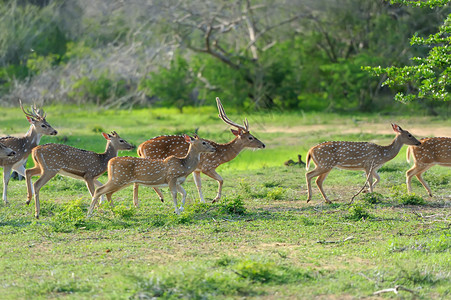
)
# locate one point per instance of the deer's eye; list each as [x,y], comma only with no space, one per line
[203,143]
[410,135]
[121,141]
[251,138]
[43,126]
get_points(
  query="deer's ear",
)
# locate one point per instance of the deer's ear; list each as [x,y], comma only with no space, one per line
[236,132]
[188,139]
[106,136]
[396,128]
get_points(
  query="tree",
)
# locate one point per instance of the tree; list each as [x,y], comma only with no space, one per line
[428,77]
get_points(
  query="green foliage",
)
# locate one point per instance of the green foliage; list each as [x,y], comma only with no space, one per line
[429,75]
[70,217]
[398,194]
[372,198]
[358,212]
[411,199]
[123,211]
[276,193]
[98,90]
[173,85]
[232,205]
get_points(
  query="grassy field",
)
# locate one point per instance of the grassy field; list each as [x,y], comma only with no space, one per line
[262,240]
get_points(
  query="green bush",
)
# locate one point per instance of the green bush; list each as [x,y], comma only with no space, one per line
[70,217]
[123,211]
[372,198]
[233,205]
[358,212]
[276,193]
[411,199]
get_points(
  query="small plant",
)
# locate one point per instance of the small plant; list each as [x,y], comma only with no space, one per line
[276,193]
[256,271]
[72,216]
[124,212]
[233,205]
[245,187]
[358,212]
[372,198]
[411,199]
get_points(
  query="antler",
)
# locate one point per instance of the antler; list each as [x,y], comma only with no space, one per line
[35,112]
[224,117]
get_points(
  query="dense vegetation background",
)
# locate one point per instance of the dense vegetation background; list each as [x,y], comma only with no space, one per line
[288,55]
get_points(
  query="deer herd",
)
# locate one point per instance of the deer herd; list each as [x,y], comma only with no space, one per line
[166,161]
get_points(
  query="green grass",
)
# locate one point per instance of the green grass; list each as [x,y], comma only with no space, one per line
[261,240]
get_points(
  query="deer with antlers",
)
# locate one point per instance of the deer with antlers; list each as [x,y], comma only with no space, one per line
[171,172]
[432,151]
[163,146]
[353,156]
[22,145]
[52,159]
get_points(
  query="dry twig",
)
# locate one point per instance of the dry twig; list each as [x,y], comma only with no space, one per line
[395,290]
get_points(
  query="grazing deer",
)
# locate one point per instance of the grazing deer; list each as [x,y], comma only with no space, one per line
[5,152]
[172,172]
[52,159]
[22,146]
[432,151]
[164,146]
[353,156]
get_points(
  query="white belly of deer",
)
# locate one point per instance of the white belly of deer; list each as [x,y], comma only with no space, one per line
[180,180]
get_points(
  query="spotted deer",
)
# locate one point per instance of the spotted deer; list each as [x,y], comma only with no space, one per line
[171,172]
[52,159]
[353,156]
[22,145]
[163,146]
[5,152]
[432,151]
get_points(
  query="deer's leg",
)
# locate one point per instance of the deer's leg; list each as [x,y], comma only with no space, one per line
[212,173]
[97,183]
[28,174]
[377,177]
[198,182]
[173,189]
[160,194]
[6,177]
[108,188]
[45,177]
[182,191]
[418,171]
[135,194]
[369,176]
[90,185]
[308,178]
[319,182]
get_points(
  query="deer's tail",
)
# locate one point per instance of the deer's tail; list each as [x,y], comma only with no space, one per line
[307,160]
[408,152]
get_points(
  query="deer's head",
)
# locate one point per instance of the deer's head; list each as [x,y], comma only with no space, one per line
[406,137]
[36,118]
[241,132]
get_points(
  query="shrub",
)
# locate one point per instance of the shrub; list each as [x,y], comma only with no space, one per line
[124,212]
[72,216]
[411,199]
[276,193]
[358,212]
[232,205]
[372,198]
